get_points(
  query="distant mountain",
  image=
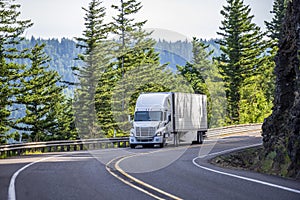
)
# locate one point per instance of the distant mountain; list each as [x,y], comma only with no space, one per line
[167,35]
[64,52]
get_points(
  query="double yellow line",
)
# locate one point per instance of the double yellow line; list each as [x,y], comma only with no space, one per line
[150,188]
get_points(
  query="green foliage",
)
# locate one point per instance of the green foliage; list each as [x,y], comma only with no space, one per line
[134,51]
[31,101]
[274,32]
[242,49]
[274,28]
[63,116]
[215,86]
[95,59]
[254,106]
[43,101]
[11,29]
[135,69]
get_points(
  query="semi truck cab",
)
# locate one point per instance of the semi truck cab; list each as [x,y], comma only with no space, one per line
[152,120]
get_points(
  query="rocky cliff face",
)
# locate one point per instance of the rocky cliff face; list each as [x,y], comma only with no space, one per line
[281,131]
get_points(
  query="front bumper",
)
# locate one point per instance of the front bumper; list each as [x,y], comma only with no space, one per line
[146,140]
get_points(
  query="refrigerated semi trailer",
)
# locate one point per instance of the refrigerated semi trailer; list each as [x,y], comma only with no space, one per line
[168,117]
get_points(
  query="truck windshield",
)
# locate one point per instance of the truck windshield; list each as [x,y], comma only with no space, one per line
[148,116]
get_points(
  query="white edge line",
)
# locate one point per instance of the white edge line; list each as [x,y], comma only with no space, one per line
[241,177]
[11,188]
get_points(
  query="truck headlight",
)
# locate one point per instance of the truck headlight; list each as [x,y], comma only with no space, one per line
[159,134]
[131,134]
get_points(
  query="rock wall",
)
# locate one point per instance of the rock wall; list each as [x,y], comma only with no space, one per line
[281,131]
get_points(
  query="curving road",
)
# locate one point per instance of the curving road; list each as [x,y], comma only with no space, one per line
[168,173]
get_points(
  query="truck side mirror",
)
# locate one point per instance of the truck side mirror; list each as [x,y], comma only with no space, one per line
[129,118]
[169,118]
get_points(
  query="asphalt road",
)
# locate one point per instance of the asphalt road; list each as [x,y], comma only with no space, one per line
[168,173]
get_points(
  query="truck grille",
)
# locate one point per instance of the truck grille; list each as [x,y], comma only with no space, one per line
[145,131]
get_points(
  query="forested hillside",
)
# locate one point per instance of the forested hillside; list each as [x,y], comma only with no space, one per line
[63,53]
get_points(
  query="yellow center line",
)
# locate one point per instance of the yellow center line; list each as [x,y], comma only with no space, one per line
[141,182]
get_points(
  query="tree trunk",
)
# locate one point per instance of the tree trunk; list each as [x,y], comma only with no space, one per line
[281,131]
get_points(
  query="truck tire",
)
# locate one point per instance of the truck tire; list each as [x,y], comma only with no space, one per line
[132,146]
[200,136]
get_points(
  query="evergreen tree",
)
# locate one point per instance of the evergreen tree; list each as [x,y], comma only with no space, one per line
[95,59]
[137,68]
[274,27]
[242,47]
[62,113]
[133,49]
[274,32]
[195,72]
[42,98]
[216,90]
[11,30]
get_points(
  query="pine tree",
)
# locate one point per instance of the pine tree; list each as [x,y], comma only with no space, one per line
[274,27]
[103,104]
[216,90]
[95,61]
[63,115]
[274,32]
[11,30]
[195,71]
[242,47]
[132,49]
[137,68]
[42,98]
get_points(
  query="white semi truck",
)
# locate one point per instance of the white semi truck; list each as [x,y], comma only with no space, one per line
[168,117]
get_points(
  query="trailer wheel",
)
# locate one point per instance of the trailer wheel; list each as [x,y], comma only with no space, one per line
[200,137]
[132,146]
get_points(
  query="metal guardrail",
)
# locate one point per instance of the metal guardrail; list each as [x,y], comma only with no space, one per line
[89,144]
[233,129]
[65,145]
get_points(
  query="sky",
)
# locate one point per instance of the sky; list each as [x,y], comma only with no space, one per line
[180,18]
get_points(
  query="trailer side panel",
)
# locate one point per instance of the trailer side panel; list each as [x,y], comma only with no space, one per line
[189,112]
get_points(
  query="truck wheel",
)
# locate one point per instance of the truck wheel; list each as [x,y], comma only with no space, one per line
[161,145]
[200,137]
[132,146]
